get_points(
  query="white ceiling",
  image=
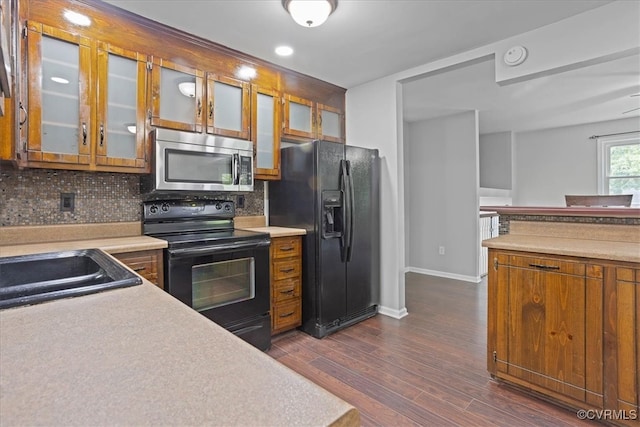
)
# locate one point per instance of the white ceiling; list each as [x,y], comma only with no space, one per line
[367,39]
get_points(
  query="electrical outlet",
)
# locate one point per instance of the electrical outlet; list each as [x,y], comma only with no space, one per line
[441,250]
[67,202]
[240,202]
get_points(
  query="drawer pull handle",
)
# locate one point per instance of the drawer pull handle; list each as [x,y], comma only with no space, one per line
[139,269]
[545,267]
[287,249]
[290,291]
[286,315]
[288,270]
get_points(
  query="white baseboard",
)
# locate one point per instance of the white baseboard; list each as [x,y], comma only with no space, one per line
[447,275]
[396,314]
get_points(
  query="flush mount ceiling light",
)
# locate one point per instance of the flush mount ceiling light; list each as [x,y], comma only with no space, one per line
[77,18]
[310,13]
[187,89]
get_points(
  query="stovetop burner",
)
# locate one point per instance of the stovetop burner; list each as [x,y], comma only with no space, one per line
[193,223]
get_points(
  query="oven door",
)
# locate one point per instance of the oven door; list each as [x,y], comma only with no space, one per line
[228,283]
[191,167]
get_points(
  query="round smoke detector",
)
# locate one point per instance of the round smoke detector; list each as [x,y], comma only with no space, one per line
[515,56]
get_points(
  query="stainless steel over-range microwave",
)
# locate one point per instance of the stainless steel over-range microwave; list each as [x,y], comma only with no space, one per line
[195,162]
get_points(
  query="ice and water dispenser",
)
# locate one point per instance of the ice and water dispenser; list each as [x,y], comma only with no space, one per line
[332,214]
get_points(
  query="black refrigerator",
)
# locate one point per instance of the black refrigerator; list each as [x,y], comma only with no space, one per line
[332,191]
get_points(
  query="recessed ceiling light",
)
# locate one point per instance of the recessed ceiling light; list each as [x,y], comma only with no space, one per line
[284,50]
[60,80]
[77,18]
[246,73]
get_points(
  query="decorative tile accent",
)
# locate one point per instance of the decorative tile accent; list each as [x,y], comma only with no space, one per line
[32,197]
[505,220]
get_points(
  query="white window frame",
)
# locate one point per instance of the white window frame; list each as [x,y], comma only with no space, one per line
[604,144]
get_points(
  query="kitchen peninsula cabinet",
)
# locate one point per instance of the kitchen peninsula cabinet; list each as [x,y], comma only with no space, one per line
[74,123]
[547,323]
[563,314]
[307,120]
[286,283]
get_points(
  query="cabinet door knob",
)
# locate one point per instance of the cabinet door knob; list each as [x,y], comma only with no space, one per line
[84,133]
[101,134]
[211,109]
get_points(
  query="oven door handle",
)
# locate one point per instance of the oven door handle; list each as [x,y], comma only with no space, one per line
[218,248]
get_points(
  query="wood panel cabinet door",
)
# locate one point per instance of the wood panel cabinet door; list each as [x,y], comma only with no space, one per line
[330,124]
[299,117]
[228,107]
[623,333]
[121,97]
[59,97]
[265,122]
[176,96]
[549,328]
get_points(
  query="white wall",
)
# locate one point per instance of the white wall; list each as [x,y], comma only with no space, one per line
[381,100]
[374,114]
[442,169]
[550,163]
[495,160]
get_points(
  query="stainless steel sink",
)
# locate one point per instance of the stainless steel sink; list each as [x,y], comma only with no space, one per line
[31,279]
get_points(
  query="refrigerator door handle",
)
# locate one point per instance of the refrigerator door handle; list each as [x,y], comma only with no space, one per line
[349,220]
[344,239]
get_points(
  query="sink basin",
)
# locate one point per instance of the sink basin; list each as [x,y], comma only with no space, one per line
[31,279]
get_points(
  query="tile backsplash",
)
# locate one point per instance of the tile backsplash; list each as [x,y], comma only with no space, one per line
[32,197]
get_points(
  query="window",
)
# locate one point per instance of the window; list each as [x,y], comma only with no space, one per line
[619,166]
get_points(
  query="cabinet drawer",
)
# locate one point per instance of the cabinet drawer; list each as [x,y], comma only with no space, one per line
[287,315]
[284,290]
[548,264]
[285,247]
[286,269]
[146,263]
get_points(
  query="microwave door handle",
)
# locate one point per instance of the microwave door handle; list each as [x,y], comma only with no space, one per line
[236,169]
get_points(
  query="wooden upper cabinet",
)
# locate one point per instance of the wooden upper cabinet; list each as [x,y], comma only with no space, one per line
[265,122]
[330,124]
[85,103]
[228,107]
[121,98]
[59,98]
[176,97]
[299,118]
[307,120]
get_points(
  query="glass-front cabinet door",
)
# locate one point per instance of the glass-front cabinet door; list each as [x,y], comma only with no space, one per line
[265,108]
[59,99]
[176,96]
[120,127]
[330,124]
[299,120]
[228,107]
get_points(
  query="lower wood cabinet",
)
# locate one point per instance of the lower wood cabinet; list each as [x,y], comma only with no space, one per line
[566,328]
[147,264]
[286,283]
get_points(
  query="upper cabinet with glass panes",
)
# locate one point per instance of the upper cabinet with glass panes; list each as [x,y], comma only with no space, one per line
[74,124]
[304,119]
[182,99]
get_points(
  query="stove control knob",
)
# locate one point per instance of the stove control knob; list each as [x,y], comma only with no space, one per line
[227,207]
[218,206]
[153,209]
[164,207]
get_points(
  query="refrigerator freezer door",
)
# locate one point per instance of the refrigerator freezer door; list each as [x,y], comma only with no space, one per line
[331,275]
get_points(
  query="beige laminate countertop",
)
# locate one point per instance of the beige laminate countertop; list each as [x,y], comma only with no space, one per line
[111,245]
[278,231]
[598,249]
[136,356]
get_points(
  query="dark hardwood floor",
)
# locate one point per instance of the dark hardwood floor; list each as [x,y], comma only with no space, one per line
[427,369]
